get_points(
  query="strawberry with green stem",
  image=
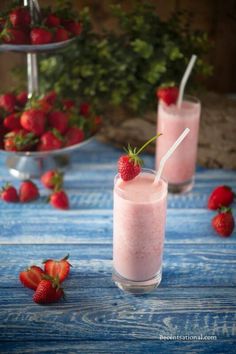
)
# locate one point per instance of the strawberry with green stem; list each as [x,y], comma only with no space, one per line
[48,291]
[129,165]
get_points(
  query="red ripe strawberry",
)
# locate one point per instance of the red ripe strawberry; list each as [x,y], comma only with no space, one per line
[58,120]
[52,20]
[31,277]
[223,223]
[52,179]
[12,122]
[48,291]
[61,35]
[84,109]
[40,35]
[50,140]
[50,97]
[59,200]
[20,17]
[8,102]
[22,98]
[220,196]
[168,94]
[9,194]
[68,103]
[33,120]
[14,36]
[74,135]
[60,269]
[73,27]
[19,140]
[28,191]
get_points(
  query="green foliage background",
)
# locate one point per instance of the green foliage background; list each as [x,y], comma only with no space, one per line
[126,66]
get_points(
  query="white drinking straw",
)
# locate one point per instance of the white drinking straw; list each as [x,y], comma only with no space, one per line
[169,153]
[185,79]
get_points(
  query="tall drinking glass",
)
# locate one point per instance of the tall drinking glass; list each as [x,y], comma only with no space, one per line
[138,232]
[179,170]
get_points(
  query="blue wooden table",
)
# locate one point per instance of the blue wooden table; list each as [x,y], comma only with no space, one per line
[196,298]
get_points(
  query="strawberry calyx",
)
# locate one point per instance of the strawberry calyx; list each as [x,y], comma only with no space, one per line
[22,140]
[224,209]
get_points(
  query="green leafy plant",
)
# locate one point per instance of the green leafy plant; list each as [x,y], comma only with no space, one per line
[124,67]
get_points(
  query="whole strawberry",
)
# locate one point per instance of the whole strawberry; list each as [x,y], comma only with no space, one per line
[51,140]
[74,27]
[84,109]
[61,35]
[58,120]
[20,17]
[74,135]
[12,122]
[31,277]
[60,269]
[223,223]
[14,36]
[19,140]
[48,291]
[59,200]
[33,120]
[220,196]
[9,194]
[28,191]
[168,94]
[52,179]
[8,102]
[40,35]
[22,98]
[52,20]
[68,103]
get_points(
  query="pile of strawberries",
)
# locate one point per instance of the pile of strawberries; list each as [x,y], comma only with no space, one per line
[28,191]
[46,282]
[45,123]
[16,26]
[220,199]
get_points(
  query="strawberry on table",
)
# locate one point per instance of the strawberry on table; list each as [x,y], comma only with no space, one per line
[223,223]
[20,17]
[19,140]
[28,191]
[60,269]
[40,35]
[58,120]
[220,196]
[51,140]
[59,200]
[168,94]
[52,179]
[9,194]
[12,122]
[31,277]
[33,120]
[8,102]
[74,135]
[48,291]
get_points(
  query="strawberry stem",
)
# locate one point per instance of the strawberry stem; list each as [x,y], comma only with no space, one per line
[147,143]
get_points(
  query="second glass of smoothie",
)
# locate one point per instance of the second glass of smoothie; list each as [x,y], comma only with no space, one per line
[179,170]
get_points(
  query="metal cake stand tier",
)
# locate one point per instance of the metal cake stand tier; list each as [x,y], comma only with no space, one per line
[32,164]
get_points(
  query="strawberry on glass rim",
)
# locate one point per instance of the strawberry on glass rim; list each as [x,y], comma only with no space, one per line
[130,165]
[168,94]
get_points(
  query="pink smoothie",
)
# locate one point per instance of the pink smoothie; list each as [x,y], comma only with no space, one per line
[171,122]
[139,226]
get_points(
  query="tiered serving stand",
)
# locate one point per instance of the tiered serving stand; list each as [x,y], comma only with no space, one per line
[32,164]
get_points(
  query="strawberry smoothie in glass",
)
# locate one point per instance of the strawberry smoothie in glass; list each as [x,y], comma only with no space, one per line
[179,170]
[138,231]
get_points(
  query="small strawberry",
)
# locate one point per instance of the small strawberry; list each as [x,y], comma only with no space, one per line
[52,179]
[74,27]
[20,17]
[51,140]
[12,122]
[59,200]
[60,269]
[22,98]
[129,165]
[31,277]
[168,94]
[48,291]
[58,120]
[223,223]
[220,196]
[52,20]
[74,135]
[40,35]
[14,36]
[19,140]
[8,102]
[68,103]
[33,120]
[61,35]
[50,97]
[28,191]
[84,109]
[9,194]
